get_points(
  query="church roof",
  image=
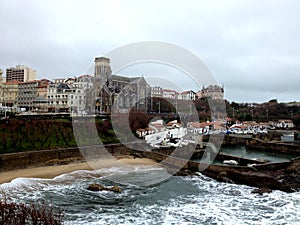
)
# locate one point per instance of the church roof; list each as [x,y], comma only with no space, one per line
[124,79]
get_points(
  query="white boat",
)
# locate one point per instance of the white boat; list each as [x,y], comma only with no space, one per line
[184,143]
[230,162]
[287,136]
[174,144]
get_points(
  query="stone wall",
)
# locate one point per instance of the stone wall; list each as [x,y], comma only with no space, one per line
[28,159]
[35,158]
[276,147]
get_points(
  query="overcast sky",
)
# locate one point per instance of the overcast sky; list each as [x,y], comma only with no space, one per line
[252,47]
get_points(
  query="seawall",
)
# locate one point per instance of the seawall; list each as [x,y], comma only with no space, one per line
[28,159]
[274,147]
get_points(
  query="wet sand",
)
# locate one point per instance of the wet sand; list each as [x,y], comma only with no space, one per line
[53,171]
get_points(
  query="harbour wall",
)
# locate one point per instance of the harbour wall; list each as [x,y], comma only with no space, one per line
[22,160]
[274,147]
[228,139]
[168,157]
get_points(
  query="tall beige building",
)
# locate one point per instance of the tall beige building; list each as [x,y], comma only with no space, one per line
[20,73]
[10,93]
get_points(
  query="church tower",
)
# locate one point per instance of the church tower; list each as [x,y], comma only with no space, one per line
[102,69]
[102,80]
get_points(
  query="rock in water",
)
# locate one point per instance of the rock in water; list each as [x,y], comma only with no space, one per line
[116,189]
[99,187]
[96,187]
[261,191]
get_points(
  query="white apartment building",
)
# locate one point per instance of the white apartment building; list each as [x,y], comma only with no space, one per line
[156,91]
[187,95]
[58,97]
[77,95]
[172,94]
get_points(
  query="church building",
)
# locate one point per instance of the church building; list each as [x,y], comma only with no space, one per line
[114,93]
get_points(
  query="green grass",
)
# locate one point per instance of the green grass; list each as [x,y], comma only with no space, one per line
[36,134]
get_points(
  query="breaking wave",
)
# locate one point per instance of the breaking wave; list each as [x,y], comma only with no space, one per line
[176,200]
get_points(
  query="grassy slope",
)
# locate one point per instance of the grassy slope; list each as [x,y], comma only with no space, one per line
[36,134]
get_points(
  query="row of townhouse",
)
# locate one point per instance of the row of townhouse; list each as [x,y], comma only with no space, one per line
[60,95]
[99,94]
[69,95]
[159,92]
[76,95]
[211,91]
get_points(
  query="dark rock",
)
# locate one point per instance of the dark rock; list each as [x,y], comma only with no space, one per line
[99,187]
[116,189]
[184,173]
[222,176]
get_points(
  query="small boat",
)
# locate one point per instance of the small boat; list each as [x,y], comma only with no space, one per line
[174,144]
[230,162]
[287,137]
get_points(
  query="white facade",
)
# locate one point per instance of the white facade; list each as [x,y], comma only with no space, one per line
[156,91]
[171,94]
[187,95]
[285,124]
[58,97]
[77,94]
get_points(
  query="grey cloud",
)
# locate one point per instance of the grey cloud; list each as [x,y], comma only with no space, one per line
[251,46]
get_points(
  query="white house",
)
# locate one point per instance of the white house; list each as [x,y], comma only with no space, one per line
[77,94]
[187,95]
[285,124]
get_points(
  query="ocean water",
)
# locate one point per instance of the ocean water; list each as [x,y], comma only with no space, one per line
[241,151]
[173,200]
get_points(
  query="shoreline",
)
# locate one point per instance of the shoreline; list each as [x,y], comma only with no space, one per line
[282,176]
[49,172]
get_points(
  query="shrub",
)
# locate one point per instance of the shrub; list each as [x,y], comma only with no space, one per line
[22,214]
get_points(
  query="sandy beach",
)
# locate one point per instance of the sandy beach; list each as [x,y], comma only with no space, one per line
[53,171]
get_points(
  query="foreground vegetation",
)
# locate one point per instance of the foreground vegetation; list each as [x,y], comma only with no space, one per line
[21,214]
